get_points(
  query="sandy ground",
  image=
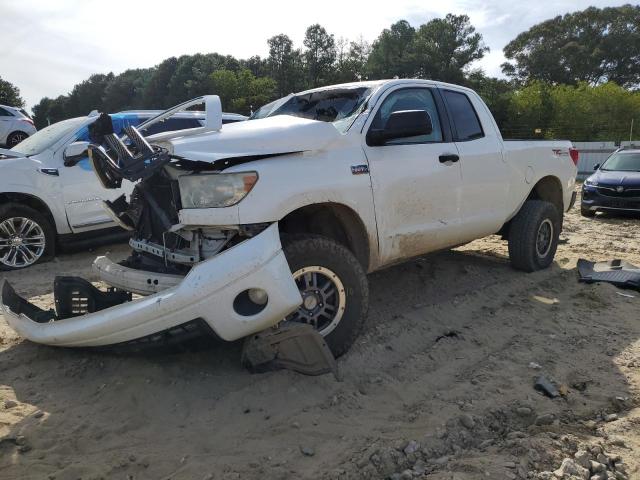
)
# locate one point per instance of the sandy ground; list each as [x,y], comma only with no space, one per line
[439,386]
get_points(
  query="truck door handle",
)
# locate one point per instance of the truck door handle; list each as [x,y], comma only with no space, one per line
[449,158]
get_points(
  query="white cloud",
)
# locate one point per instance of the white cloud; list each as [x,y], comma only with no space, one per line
[47,47]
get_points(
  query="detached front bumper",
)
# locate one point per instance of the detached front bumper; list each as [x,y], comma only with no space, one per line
[213,291]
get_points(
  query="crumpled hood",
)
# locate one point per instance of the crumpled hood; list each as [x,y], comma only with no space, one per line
[613,178]
[267,136]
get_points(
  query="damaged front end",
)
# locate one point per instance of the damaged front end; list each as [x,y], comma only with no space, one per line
[243,290]
[233,278]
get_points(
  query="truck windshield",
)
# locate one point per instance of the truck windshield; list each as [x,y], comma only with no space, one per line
[623,162]
[339,106]
[43,139]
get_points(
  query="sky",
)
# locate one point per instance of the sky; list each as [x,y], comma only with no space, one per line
[46,47]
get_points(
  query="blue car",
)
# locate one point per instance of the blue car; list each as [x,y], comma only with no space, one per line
[615,185]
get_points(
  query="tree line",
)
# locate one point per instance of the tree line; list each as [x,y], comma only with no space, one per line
[574,76]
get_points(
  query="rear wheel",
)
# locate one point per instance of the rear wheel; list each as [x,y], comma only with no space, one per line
[533,235]
[26,237]
[15,138]
[334,289]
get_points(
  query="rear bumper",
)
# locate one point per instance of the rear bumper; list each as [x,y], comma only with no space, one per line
[208,292]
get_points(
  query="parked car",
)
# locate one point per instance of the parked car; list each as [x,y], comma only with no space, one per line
[615,185]
[237,229]
[15,125]
[44,205]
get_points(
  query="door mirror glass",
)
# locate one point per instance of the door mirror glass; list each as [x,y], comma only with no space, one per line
[74,152]
[403,124]
[596,166]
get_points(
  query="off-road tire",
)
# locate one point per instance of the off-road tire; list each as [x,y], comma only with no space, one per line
[315,250]
[585,212]
[523,235]
[9,210]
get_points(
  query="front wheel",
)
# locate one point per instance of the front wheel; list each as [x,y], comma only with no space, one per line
[586,212]
[334,289]
[26,237]
[533,235]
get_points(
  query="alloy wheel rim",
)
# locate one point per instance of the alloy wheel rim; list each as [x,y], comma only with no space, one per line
[22,242]
[323,299]
[17,139]
[544,238]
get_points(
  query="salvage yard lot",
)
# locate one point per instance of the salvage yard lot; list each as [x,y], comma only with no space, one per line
[441,381]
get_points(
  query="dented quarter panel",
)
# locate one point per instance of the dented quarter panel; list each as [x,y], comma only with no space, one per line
[530,161]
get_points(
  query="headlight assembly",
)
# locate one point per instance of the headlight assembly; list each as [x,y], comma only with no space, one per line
[215,190]
[591,183]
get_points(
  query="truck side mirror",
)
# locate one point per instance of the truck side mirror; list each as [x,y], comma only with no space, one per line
[74,152]
[596,166]
[402,124]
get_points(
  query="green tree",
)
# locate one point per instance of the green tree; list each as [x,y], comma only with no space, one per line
[392,52]
[10,94]
[282,63]
[156,93]
[86,96]
[496,92]
[50,110]
[191,76]
[579,112]
[241,91]
[351,64]
[530,112]
[594,45]
[320,55]
[126,90]
[224,83]
[256,65]
[586,113]
[444,48]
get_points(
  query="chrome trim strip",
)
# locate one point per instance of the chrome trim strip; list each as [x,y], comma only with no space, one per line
[93,224]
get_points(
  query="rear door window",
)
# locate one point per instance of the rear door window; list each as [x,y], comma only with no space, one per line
[464,117]
[171,124]
[5,113]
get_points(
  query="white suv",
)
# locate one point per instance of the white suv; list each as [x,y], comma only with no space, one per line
[44,205]
[15,126]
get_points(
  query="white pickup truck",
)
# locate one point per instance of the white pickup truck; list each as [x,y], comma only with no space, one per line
[280,218]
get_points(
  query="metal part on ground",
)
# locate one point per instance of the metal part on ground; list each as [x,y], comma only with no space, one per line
[617,272]
[142,282]
[293,346]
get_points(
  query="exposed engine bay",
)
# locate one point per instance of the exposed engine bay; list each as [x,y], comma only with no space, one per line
[159,243]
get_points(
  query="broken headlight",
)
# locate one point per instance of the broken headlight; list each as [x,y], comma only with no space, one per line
[214,190]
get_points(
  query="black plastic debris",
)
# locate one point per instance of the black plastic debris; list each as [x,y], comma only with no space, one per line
[617,272]
[294,346]
[545,386]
